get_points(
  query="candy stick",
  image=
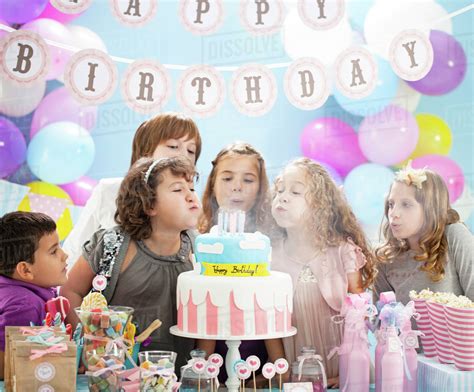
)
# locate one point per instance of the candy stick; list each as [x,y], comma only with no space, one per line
[48,320]
[254,382]
[57,319]
[69,330]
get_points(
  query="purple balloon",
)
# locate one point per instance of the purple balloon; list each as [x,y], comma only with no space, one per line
[21,11]
[12,148]
[449,66]
[80,190]
[51,12]
[334,142]
[448,169]
[332,172]
[59,105]
[394,127]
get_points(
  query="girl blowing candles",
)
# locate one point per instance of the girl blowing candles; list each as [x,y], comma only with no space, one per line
[325,252]
[425,244]
[156,207]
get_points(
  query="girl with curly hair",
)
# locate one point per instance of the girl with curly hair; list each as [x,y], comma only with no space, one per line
[324,250]
[156,208]
[425,244]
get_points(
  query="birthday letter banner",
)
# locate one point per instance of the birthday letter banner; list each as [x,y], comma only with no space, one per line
[91,76]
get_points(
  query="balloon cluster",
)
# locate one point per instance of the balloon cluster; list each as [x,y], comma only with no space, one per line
[45,140]
[390,132]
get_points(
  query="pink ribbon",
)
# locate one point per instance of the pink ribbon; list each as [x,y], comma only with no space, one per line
[56,349]
[37,331]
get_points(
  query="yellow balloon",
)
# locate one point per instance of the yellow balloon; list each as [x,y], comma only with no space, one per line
[434,137]
[64,223]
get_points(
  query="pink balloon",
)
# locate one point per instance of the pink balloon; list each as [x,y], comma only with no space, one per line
[334,142]
[52,13]
[80,190]
[448,169]
[54,31]
[394,127]
[59,105]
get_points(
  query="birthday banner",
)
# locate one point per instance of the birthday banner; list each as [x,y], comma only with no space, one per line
[91,75]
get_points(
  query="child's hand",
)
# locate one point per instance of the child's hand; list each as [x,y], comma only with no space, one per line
[333,383]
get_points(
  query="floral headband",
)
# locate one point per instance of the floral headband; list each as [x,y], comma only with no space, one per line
[411,176]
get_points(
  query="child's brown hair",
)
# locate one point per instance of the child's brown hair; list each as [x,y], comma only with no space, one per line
[160,128]
[137,194]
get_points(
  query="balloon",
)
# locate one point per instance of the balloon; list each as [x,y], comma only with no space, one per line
[464,205]
[387,86]
[357,10]
[64,223]
[84,38]
[21,11]
[332,172]
[51,12]
[449,66]
[59,105]
[434,137]
[366,188]
[387,18]
[54,31]
[448,169]
[325,45]
[331,140]
[3,33]
[406,97]
[394,127]
[61,152]
[80,190]
[18,101]
[12,147]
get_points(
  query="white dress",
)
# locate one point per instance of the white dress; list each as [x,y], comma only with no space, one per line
[98,213]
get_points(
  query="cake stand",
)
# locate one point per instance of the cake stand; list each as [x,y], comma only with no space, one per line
[233,354]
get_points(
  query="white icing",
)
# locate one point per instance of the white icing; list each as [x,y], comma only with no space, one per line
[216,248]
[252,244]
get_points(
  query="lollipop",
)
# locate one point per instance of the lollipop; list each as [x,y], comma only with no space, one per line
[94,301]
[281,367]
[243,373]
[253,362]
[268,372]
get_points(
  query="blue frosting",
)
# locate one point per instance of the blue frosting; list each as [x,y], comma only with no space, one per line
[247,248]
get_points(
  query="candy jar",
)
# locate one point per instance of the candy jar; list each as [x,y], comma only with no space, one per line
[309,368]
[193,375]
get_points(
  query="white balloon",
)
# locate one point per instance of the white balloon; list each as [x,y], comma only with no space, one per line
[18,101]
[300,40]
[465,204]
[387,18]
[84,38]
[407,98]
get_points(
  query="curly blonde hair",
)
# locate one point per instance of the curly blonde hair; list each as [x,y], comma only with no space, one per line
[332,221]
[137,194]
[258,216]
[437,214]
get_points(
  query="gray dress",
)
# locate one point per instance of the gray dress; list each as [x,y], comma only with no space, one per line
[149,286]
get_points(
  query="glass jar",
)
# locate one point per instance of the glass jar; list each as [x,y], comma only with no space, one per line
[190,381]
[157,370]
[309,368]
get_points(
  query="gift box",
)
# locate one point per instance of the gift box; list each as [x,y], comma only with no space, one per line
[20,334]
[437,377]
[44,368]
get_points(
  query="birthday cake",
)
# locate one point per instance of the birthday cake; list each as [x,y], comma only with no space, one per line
[232,291]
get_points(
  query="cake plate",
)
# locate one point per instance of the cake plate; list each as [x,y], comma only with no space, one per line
[233,354]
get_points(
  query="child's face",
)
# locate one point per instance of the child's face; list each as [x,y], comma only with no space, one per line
[405,214]
[177,207]
[49,267]
[290,206]
[237,182]
[176,147]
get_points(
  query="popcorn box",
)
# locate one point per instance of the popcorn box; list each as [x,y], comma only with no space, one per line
[442,341]
[460,323]
[424,325]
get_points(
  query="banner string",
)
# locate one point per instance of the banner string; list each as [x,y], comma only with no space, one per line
[182,67]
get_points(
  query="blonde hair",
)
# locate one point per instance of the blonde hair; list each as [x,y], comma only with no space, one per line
[332,221]
[257,217]
[437,214]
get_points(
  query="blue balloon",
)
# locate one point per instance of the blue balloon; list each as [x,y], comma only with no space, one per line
[357,11]
[382,96]
[61,152]
[366,187]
